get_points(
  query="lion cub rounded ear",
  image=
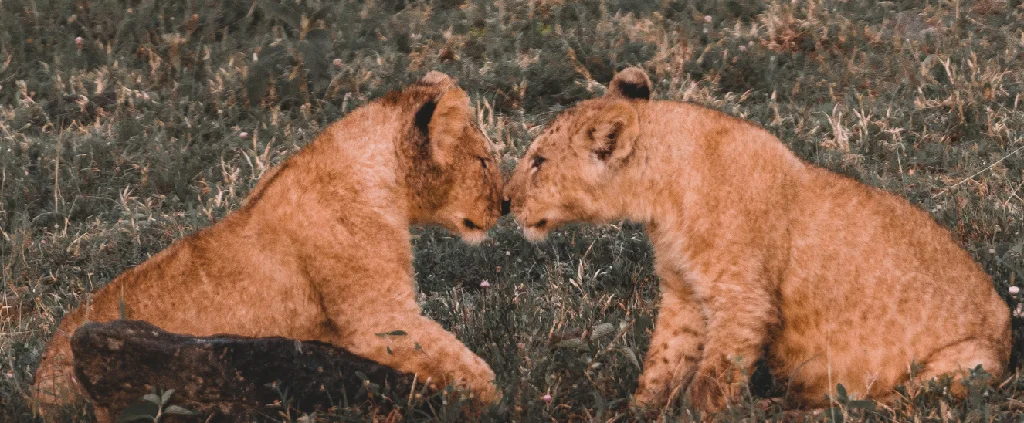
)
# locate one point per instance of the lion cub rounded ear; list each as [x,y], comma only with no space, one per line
[631,83]
[447,123]
[614,133]
[437,78]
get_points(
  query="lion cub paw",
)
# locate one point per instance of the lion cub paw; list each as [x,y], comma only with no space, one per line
[652,393]
[480,384]
[711,393]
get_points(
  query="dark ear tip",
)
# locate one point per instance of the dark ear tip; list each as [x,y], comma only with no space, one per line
[631,83]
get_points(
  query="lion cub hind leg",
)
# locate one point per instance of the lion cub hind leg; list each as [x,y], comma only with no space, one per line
[675,350]
[55,384]
[957,360]
[417,345]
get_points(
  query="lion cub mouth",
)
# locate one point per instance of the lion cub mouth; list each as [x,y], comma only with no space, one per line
[473,237]
[470,231]
[536,231]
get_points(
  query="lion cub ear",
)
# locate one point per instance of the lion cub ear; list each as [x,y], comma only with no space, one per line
[613,133]
[631,83]
[437,78]
[445,121]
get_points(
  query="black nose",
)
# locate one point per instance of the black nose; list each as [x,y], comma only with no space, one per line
[506,207]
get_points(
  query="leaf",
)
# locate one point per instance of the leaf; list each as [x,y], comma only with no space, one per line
[262,71]
[284,13]
[322,14]
[178,410]
[319,38]
[602,330]
[153,398]
[314,59]
[834,414]
[142,410]
[630,356]
[599,403]
[841,394]
[256,83]
[571,343]
[166,396]
[643,323]
[273,55]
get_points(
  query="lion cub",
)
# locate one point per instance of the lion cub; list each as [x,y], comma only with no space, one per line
[843,283]
[320,250]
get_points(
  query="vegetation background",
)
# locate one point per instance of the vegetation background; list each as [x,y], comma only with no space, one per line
[128,124]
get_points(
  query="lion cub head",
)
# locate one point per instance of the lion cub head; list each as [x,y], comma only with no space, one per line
[453,180]
[573,172]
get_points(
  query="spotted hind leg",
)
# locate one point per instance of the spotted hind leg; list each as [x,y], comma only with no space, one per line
[675,349]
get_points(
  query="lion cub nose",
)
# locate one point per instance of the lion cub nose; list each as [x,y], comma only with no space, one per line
[506,206]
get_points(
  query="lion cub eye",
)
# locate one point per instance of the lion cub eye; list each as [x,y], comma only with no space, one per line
[483,162]
[537,161]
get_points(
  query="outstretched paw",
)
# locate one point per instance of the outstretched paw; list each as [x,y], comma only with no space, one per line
[711,392]
[481,385]
[653,393]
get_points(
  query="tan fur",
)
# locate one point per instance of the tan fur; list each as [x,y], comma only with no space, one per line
[843,283]
[321,248]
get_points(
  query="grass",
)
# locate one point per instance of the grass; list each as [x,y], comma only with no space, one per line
[125,125]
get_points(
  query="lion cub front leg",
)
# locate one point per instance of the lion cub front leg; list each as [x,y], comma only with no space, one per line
[739,311]
[676,347]
[414,344]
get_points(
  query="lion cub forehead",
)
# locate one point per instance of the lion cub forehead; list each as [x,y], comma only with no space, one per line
[586,112]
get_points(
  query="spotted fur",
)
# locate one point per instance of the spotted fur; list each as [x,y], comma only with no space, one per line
[759,251]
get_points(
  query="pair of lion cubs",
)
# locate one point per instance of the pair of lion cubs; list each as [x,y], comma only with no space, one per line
[841,282]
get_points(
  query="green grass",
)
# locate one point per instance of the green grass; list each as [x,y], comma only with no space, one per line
[114,146]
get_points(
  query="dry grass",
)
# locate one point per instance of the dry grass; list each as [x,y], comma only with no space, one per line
[121,130]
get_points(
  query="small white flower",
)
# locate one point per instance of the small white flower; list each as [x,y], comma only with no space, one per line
[79,41]
[243,135]
[485,284]
[743,48]
[546,397]
[10,375]
[1014,290]
[707,18]
[337,63]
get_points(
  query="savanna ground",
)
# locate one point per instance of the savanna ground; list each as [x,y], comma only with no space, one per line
[125,125]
